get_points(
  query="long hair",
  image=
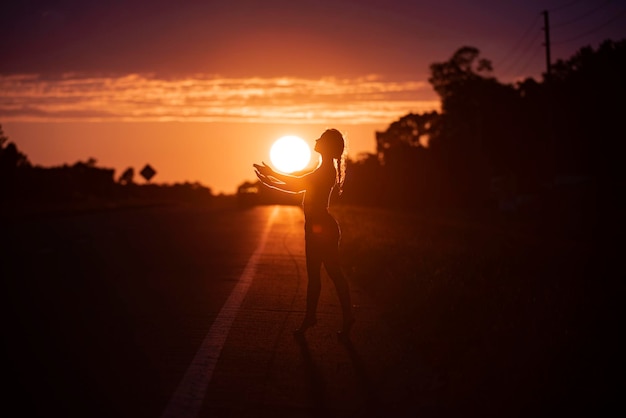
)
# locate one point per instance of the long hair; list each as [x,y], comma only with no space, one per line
[339,150]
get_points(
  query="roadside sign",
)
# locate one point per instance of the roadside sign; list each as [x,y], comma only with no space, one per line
[147,172]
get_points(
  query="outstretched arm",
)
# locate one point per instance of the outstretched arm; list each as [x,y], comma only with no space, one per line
[282,182]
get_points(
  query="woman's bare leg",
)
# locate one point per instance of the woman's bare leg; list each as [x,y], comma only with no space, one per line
[343,292]
[314,288]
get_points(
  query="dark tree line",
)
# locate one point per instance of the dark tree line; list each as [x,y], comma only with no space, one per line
[23,183]
[494,141]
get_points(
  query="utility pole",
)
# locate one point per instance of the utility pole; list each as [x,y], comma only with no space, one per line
[548,146]
[546,28]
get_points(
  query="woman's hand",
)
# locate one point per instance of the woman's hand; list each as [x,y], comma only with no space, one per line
[264,170]
[278,181]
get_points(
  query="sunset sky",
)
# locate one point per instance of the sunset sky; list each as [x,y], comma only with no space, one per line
[200,89]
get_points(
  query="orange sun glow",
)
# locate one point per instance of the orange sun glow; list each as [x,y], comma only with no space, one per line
[290,153]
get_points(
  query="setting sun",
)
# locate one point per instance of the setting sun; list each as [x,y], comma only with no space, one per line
[290,153]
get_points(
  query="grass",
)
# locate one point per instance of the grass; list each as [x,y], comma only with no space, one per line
[506,315]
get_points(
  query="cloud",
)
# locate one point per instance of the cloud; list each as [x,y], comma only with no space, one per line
[208,98]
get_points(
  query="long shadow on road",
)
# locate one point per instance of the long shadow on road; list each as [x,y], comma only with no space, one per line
[317,385]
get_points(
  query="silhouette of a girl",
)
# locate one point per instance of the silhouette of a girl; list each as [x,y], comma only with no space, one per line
[321,231]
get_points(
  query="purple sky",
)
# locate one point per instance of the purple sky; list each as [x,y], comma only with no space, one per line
[396,39]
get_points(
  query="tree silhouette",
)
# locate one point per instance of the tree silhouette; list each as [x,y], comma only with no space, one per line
[10,157]
[459,72]
[127,177]
[527,136]
[406,161]
[12,164]
[364,183]
[589,92]
[477,137]
[3,138]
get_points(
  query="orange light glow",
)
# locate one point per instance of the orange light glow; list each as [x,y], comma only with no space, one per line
[208,99]
[203,128]
[290,153]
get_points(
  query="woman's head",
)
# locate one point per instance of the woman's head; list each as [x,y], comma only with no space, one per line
[330,144]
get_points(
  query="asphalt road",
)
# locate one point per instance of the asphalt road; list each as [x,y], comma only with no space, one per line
[106,312]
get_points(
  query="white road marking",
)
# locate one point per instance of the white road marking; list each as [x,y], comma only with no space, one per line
[188,397]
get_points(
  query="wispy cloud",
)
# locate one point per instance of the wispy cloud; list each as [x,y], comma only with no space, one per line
[202,98]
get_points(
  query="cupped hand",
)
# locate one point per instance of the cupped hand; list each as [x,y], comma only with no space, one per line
[263,169]
[260,176]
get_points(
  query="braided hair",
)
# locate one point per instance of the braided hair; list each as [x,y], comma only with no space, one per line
[339,150]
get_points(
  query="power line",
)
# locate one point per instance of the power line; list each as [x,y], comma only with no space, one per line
[592,31]
[517,44]
[525,65]
[564,6]
[584,15]
[546,28]
[524,55]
